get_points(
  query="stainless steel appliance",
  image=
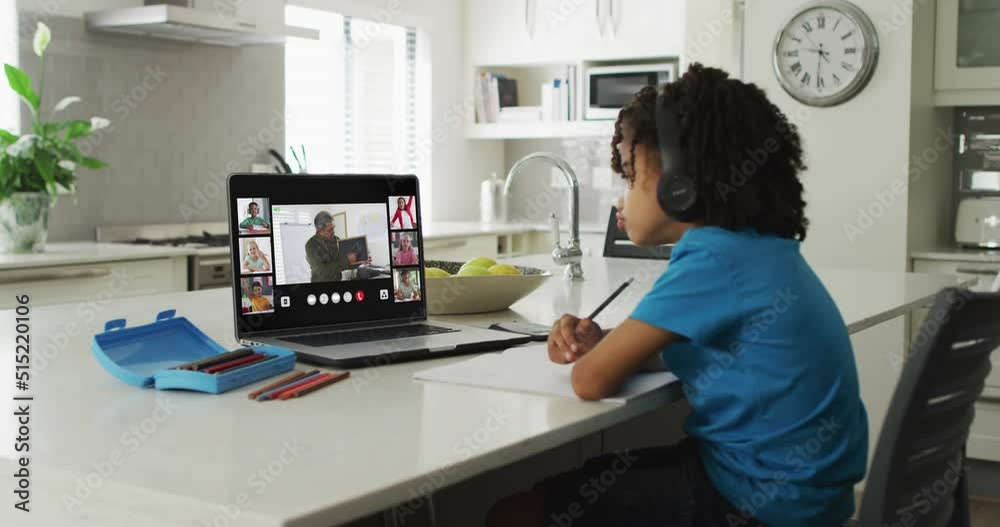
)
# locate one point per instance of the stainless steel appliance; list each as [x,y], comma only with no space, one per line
[209,266]
[977,223]
[610,87]
[977,156]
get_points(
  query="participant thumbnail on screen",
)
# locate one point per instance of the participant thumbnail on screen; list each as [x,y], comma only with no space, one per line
[255,255]
[404,248]
[331,243]
[406,285]
[404,212]
[257,295]
[254,215]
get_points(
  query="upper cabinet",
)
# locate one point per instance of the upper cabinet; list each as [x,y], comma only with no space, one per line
[562,31]
[967,51]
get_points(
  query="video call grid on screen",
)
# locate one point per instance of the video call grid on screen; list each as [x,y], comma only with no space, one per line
[361,208]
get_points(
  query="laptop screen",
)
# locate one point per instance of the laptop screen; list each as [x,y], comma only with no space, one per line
[310,251]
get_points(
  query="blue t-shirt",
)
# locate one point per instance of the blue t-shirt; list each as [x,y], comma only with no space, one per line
[768,368]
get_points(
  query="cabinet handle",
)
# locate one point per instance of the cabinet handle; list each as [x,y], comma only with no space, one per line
[529,18]
[615,11]
[62,275]
[982,271]
[599,18]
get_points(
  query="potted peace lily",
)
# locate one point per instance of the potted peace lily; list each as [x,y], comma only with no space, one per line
[36,165]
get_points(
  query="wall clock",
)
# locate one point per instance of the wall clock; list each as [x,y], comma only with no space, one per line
[826,52]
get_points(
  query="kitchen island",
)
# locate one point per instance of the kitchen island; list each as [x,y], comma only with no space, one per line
[104,453]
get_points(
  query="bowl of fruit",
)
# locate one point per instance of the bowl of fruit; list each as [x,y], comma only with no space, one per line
[479,285]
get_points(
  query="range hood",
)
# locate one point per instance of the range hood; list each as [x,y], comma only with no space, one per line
[193,25]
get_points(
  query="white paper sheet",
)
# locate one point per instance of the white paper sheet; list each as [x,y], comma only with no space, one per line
[528,369]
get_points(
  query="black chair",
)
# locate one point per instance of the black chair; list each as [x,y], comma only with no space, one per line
[617,244]
[918,476]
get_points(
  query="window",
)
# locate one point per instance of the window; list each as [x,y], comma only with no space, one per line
[351,96]
[9,116]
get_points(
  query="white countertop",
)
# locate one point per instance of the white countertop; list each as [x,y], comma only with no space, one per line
[87,252]
[77,253]
[956,254]
[366,443]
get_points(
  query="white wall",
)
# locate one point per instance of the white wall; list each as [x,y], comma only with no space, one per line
[854,150]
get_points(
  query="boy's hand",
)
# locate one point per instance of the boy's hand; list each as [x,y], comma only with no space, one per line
[571,338]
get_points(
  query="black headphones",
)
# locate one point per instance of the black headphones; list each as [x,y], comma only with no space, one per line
[675,191]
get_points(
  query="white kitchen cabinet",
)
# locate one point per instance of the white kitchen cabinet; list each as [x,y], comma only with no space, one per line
[568,31]
[967,51]
[92,286]
[461,249]
[984,441]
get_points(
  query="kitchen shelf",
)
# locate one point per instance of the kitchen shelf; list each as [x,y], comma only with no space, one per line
[541,130]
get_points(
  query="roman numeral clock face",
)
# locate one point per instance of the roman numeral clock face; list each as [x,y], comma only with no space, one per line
[826,53]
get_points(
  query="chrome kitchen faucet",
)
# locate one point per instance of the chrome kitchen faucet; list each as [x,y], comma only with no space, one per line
[570,255]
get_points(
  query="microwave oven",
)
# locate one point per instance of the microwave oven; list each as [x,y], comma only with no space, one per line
[610,87]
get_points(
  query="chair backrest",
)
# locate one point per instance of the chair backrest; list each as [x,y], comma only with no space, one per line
[917,477]
[617,244]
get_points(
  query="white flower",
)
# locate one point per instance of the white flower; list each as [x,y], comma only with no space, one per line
[23,143]
[43,35]
[67,165]
[63,104]
[97,123]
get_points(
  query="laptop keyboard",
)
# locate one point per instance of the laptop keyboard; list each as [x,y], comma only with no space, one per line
[368,335]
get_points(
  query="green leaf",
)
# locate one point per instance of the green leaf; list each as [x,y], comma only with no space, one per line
[46,166]
[76,129]
[91,163]
[21,84]
[6,137]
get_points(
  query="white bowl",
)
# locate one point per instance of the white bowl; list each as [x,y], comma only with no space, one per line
[459,295]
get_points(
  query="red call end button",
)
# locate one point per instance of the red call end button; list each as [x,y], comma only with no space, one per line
[359,296]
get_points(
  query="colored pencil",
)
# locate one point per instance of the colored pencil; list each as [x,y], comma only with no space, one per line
[316,385]
[226,365]
[215,359]
[246,364]
[296,386]
[270,394]
[276,384]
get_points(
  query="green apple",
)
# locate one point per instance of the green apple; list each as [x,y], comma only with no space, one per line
[481,261]
[504,269]
[435,272]
[473,270]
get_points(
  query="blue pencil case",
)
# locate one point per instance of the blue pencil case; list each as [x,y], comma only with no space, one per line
[144,355]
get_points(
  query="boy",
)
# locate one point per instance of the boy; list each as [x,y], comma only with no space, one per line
[777,433]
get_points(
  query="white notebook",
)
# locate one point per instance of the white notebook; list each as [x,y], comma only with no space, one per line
[528,369]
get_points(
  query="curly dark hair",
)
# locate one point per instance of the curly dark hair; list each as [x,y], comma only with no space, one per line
[743,154]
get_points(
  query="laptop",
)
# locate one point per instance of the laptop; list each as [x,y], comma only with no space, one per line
[330,266]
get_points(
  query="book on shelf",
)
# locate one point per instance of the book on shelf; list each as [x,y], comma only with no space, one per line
[493,92]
